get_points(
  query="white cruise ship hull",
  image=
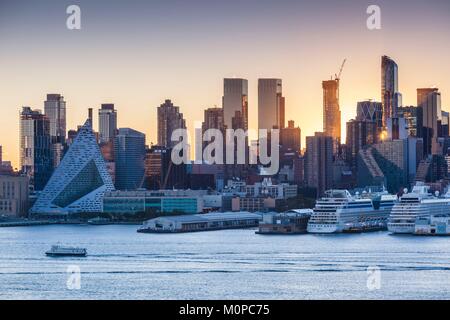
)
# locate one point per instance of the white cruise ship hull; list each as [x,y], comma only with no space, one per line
[401,229]
[323,228]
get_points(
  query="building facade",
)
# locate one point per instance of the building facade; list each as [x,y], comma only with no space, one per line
[332,112]
[79,182]
[389,87]
[14,195]
[169,119]
[36,154]
[319,162]
[129,155]
[271,109]
[107,123]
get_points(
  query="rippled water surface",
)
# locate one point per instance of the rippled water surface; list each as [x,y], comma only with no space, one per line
[229,264]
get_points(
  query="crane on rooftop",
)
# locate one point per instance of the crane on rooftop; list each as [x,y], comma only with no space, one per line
[338,76]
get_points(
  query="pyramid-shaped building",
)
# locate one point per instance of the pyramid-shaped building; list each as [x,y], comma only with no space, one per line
[79,182]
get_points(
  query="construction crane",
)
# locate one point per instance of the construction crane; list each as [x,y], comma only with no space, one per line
[338,76]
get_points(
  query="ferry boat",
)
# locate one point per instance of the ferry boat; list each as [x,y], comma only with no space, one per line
[60,251]
[417,204]
[339,211]
[438,225]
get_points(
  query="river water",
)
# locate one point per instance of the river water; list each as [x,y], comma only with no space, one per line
[228,264]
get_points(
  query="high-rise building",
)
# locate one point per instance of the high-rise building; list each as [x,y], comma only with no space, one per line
[359,134]
[169,119]
[36,159]
[390,163]
[389,88]
[332,112]
[270,104]
[444,126]
[429,99]
[413,117]
[79,182]
[107,122]
[319,162]
[213,120]
[370,111]
[55,110]
[129,154]
[290,137]
[235,102]
[161,172]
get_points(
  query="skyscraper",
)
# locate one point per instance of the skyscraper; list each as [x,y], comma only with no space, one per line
[107,122]
[270,104]
[79,182]
[129,154]
[360,133]
[389,88]
[332,112]
[319,162]
[429,100]
[213,120]
[235,102]
[55,110]
[290,137]
[370,111]
[35,147]
[169,119]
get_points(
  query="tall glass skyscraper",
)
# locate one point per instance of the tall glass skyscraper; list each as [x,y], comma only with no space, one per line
[55,110]
[389,88]
[270,104]
[36,159]
[429,100]
[235,102]
[129,156]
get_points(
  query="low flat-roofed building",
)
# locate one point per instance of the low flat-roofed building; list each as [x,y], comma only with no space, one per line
[144,201]
[201,222]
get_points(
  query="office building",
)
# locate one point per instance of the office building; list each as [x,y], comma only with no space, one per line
[389,88]
[319,162]
[158,202]
[413,117]
[359,134]
[370,111]
[429,99]
[290,137]
[36,154]
[235,103]
[107,123]
[332,112]
[169,119]
[80,181]
[55,110]
[390,163]
[129,154]
[270,104]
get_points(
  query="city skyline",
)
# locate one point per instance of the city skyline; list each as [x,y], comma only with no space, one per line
[136,84]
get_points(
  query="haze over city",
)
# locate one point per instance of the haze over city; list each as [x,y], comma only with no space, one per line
[137,54]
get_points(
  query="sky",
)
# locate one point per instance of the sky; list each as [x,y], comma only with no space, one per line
[136,54]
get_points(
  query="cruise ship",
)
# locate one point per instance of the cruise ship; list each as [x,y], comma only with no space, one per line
[339,211]
[417,204]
